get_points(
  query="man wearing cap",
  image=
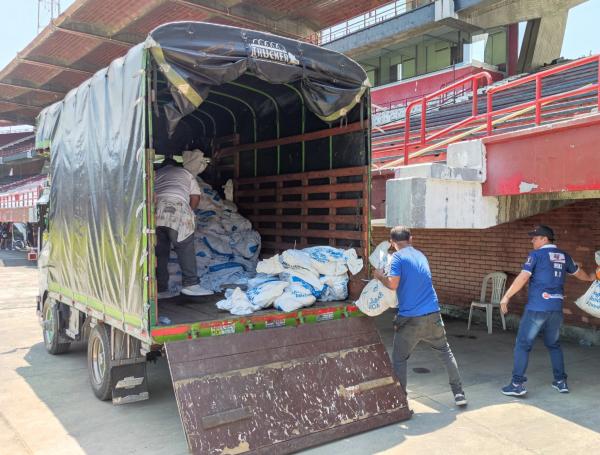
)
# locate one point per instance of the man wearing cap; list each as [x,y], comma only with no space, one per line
[418,318]
[545,270]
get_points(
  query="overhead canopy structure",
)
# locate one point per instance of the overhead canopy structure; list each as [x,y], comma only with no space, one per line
[92,33]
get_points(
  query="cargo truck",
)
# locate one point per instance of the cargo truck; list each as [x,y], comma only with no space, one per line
[289,123]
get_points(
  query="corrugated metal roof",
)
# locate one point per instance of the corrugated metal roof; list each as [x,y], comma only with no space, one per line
[91,33]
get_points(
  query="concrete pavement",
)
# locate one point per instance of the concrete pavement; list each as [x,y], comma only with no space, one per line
[47,406]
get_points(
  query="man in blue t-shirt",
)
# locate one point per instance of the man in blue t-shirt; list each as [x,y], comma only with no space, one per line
[418,318]
[545,270]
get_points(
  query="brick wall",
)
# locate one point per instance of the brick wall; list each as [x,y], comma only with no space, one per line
[460,258]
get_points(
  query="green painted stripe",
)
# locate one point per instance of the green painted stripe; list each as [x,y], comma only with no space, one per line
[228,110]
[277,117]
[97,305]
[303,127]
[42,144]
[227,95]
[211,118]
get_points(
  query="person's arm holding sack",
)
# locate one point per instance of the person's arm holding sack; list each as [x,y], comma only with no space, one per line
[390,282]
[393,280]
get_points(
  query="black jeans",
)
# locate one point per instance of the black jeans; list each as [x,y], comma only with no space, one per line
[430,330]
[186,256]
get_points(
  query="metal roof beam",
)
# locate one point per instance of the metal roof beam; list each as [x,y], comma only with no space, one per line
[104,39]
[247,16]
[26,106]
[34,89]
[53,66]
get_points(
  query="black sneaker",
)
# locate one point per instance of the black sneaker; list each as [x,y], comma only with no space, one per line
[561,386]
[514,390]
[459,399]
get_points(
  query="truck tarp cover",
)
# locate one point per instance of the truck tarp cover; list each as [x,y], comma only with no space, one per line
[97,139]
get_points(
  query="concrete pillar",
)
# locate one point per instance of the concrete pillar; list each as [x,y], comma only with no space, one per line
[542,41]
[512,49]
[384,69]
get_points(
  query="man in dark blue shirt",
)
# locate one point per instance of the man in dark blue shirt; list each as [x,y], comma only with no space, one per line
[545,270]
[418,318]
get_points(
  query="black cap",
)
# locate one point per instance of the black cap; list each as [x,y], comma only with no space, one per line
[542,230]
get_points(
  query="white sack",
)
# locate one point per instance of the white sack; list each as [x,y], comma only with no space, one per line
[590,301]
[336,288]
[380,258]
[237,303]
[271,266]
[376,298]
[194,161]
[334,261]
[265,294]
[294,297]
[294,259]
[305,278]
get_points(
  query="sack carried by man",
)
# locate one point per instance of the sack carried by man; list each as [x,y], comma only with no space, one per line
[375,297]
[590,301]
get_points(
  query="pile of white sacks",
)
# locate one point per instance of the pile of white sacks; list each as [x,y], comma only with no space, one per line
[295,279]
[227,247]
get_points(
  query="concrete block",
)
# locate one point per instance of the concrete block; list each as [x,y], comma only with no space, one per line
[458,205]
[439,171]
[444,9]
[405,201]
[439,203]
[467,154]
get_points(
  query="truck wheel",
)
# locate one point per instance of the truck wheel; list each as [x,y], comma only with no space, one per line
[99,365]
[51,324]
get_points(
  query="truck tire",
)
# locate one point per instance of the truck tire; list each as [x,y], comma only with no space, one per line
[99,364]
[51,327]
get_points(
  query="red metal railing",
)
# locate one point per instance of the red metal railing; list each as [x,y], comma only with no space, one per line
[473,79]
[487,117]
[366,20]
[23,198]
[539,100]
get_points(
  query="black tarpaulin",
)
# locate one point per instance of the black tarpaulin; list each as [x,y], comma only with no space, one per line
[97,157]
[196,57]
[253,83]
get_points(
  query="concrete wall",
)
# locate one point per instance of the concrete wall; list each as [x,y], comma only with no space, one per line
[460,259]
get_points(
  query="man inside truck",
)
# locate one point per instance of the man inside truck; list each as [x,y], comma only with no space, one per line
[177,195]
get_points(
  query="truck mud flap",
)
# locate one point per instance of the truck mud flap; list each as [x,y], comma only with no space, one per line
[281,390]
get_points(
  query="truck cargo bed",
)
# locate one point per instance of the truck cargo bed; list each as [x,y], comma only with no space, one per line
[182,309]
[198,317]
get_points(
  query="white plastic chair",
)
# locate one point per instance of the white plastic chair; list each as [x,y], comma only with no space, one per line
[498,280]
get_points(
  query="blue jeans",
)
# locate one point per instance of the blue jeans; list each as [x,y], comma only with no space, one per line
[532,323]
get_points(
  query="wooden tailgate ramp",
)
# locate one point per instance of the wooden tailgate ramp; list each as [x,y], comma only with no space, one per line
[279,391]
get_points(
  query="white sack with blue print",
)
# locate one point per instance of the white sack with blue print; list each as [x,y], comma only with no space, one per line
[297,277]
[590,301]
[227,247]
[375,297]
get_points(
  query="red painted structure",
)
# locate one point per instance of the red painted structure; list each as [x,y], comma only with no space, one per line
[426,139]
[400,93]
[18,199]
[546,159]
[561,155]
